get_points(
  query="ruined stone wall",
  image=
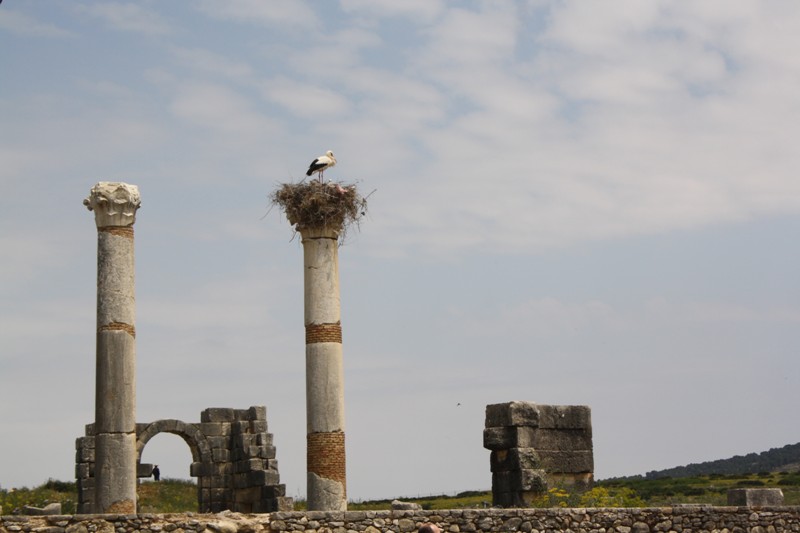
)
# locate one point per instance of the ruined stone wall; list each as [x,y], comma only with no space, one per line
[233,459]
[535,447]
[649,520]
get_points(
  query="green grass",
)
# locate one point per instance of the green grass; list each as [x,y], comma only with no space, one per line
[50,492]
[175,495]
[167,496]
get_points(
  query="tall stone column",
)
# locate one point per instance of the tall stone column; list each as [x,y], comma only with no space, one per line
[324,373]
[114,206]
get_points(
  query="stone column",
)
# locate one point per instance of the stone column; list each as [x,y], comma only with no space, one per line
[114,206]
[324,373]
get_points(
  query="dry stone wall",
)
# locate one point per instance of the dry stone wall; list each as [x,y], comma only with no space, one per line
[649,520]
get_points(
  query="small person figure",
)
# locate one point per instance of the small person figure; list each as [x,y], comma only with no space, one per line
[156,473]
[429,528]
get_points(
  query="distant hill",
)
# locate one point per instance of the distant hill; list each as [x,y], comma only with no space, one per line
[775,460]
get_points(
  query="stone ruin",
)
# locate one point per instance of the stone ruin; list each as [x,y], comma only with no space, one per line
[537,447]
[233,459]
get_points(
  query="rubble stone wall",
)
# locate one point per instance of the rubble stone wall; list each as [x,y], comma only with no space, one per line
[646,520]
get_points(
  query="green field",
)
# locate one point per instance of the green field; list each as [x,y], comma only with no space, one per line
[172,496]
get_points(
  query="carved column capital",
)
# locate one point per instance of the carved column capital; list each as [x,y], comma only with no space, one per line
[114,204]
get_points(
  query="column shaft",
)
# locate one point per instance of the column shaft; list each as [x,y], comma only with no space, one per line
[324,372]
[115,205]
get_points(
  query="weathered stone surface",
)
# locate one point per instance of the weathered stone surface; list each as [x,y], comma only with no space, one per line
[253,487]
[398,505]
[550,460]
[113,203]
[217,414]
[49,509]
[115,482]
[115,393]
[324,388]
[512,414]
[328,494]
[520,480]
[712,519]
[538,415]
[504,438]
[755,497]
[552,441]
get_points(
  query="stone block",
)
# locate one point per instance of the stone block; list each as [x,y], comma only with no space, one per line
[263,477]
[214,429]
[239,427]
[84,470]
[84,442]
[258,426]
[578,482]
[272,491]
[755,497]
[284,504]
[507,460]
[538,415]
[220,455]
[257,412]
[198,469]
[500,438]
[244,440]
[217,414]
[219,441]
[504,438]
[241,414]
[567,461]
[144,470]
[264,438]
[508,499]
[512,414]
[49,509]
[519,480]
[256,464]
[565,417]
[239,480]
[84,455]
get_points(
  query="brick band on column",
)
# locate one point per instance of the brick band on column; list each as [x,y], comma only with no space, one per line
[326,455]
[119,231]
[118,326]
[324,333]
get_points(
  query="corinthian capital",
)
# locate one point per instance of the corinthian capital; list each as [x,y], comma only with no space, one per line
[114,204]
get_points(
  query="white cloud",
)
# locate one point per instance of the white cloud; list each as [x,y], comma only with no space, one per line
[419,10]
[297,15]
[129,17]
[21,24]
[207,61]
[219,108]
[305,99]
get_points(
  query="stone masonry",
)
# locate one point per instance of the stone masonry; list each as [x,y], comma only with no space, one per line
[325,431]
[114,205]
[536,447]
[652,520]
[233,458]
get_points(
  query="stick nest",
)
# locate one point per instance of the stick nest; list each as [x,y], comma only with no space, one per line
[320,205]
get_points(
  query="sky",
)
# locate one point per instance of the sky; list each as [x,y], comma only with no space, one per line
[571,203]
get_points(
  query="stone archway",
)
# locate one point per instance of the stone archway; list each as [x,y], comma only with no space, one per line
[193,437]
[233,459]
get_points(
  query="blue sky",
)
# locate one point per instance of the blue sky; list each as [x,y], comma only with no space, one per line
[574,203]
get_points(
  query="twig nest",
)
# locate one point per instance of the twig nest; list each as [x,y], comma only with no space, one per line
[320,205]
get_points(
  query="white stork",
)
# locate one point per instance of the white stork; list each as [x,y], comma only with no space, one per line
[321,163]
